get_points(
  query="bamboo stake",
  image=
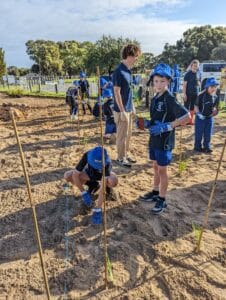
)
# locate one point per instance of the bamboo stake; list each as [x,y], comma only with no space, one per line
[32,206]
[79,132]
[104,184]
[210,200]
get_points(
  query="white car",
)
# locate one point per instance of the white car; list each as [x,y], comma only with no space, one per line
[211,68]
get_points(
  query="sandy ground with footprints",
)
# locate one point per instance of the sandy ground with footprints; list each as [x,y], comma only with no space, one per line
[152,256]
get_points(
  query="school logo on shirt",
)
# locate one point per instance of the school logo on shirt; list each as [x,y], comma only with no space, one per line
[160,106]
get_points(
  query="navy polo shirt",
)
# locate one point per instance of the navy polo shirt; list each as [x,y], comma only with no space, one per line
[122,77]
[206,103]
[192,83]
[165,109]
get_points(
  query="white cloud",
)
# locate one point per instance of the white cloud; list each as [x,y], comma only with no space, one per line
[88,20]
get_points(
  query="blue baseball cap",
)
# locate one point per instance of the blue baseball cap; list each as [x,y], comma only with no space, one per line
[107,93]
[95,158]
[82,74]
[162,70]
[211,82]
[75,82]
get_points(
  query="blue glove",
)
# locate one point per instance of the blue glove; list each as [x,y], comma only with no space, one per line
[160,128]
[97,218]
[87,200]
[200,116]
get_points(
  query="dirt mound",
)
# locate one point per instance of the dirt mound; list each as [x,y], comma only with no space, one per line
[152,257]
[20,111]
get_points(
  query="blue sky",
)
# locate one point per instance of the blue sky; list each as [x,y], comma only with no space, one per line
[151,22]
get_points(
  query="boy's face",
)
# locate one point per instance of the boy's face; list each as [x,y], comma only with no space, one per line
[160,83]
[132,59]
[194,67]
[212,89]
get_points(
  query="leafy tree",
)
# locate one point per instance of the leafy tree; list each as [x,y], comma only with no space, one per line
[2,63]
[46,54]
[219,53]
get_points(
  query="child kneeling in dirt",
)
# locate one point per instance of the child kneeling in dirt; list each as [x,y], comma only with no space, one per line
[166,113]
[206,107]
[110,126]
[89,172]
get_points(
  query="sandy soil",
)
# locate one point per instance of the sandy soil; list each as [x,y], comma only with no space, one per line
[152,256]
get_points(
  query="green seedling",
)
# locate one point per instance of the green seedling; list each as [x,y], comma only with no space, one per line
[109,268]
[182,166]
[196,229]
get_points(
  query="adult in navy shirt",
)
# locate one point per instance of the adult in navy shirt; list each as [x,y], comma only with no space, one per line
[123,103]
[191,87]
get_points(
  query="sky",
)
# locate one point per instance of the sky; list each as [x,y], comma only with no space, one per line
[152,22]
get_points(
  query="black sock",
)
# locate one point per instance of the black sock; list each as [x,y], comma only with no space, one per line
[155,192]
[162,198]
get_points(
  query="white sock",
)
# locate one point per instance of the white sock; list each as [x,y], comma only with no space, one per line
[97,209]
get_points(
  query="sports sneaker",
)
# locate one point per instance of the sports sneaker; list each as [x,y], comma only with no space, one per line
[131,160]
[97,218]
[207,150]
[87,200]
[159,206]
[123,162]
[150,197]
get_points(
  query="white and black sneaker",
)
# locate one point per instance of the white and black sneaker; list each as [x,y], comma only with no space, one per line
[123,162]
[159,207]
[131,160]
[150,196]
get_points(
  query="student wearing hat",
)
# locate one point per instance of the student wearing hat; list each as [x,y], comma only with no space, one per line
[84,88]
[96,108]
[71,99]
[175,84]
[166,114]
[110,126]
[206,107]
[123,103]
[191,87]
[89,172]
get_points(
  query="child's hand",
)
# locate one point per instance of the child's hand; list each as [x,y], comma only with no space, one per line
[215,112]
[200,116]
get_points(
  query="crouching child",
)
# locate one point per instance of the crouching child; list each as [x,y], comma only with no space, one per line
[89,172]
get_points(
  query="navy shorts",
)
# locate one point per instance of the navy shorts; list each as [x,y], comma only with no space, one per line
[163,157]
[110,128]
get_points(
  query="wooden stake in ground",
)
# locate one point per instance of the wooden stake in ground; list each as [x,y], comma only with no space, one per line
[210,200]
[32,206]
[104,183]
[79,102]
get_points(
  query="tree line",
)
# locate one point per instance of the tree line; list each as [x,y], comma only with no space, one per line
[70,57]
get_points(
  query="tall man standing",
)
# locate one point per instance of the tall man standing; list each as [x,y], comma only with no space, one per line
[123,102]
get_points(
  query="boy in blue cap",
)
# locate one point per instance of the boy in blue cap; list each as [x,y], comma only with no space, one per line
[166,113]
[110,126]
[89,172]
[206,107]
[84,88]
[71,99]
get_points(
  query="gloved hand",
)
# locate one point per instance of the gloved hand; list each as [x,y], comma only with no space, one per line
[200,116]
[87,200]
[215,112]
[97,217]
[160,127]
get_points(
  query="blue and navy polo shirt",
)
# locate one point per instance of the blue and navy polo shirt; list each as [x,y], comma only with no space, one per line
[165,109]
[206,103]
[122,77]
